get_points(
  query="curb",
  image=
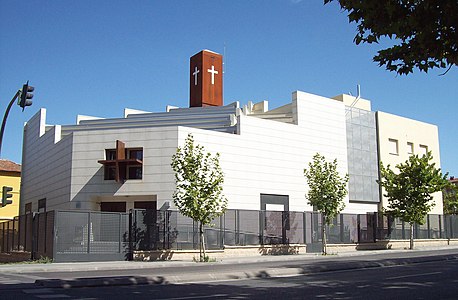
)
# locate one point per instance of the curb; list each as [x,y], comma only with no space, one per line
[318,267]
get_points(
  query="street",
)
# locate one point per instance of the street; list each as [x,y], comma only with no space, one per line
[429,280]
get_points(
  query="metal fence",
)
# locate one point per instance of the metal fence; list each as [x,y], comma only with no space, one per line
[94,236]
[67,235]
[91,236]
[28,233]
[247,227]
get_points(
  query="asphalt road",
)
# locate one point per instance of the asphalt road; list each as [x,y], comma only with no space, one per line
[429,280]
[177,272]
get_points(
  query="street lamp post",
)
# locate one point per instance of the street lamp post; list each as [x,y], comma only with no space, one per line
[26,94]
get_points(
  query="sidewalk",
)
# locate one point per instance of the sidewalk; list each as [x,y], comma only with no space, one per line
[227,269]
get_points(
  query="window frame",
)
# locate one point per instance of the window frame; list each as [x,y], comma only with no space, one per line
[410,148]
[392,142]
[423,148]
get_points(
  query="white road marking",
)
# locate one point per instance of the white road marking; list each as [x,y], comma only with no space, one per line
[196,297]
[414,275]
[37,291]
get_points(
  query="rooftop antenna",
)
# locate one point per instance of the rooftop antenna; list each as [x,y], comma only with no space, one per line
[224,58]
[358,96]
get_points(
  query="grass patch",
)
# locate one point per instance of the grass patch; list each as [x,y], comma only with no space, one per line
[206,259]
[41,260]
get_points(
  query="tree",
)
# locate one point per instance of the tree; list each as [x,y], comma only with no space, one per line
[450,198]
[409,191]
[199,186]
[424,31]
[327,190]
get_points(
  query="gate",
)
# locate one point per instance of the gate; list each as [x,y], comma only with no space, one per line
[90,236]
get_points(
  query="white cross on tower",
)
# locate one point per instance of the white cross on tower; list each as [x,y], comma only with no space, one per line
[213,71]
[196,71]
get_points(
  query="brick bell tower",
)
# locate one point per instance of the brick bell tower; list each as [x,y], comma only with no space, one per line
[206,79]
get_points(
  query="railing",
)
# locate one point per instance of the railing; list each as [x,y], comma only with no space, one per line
[77,235]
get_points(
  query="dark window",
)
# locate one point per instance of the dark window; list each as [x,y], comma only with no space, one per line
[145,205]
[122,163]
[110,154]
[42,205]
[135,154]
[113,206]
[110,173]
[135,172]
[28,207]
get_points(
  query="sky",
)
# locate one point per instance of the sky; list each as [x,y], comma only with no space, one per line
[98,57]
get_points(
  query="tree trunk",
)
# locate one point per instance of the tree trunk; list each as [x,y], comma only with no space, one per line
[411,236]
[202,243]
[323,236]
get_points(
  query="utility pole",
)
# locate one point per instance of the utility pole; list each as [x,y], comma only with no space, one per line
[25,95]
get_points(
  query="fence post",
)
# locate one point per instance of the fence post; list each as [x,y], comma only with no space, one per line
[403,235]
[440,226]
[451,226]
[358,227]
[46,233]
[222,226]
[261,226]
[304,227]
[12,242]
[374,227]
[428,226]
[237,226]
[35,228]
[341,220]
[131,235]
[7,236]
[55,234]
[119,234]
[89,233]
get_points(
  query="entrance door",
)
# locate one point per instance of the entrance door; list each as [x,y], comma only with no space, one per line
[113,206]
[275,220]
[145,205]
[145,220]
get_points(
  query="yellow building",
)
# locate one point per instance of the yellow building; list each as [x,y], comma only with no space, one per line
[400,137]
[10,175]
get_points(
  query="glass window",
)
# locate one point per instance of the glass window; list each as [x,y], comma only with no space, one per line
[42,205]
[409,148]
[423,150]
[135,154]
[110,154]
[110,173]
[116,163]
[134,172]
[393,146]
[28,207]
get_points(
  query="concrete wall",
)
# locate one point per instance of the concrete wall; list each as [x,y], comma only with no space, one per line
[269,157]
[88,185]
[46,164]
[403,130]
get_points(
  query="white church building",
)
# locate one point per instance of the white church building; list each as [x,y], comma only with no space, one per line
[117,164]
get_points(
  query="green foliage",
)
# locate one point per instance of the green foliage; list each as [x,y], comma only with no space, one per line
[327,188]
[199,186]
[409,191]
[199,183]
[424,31]
[206,259]
[450,198]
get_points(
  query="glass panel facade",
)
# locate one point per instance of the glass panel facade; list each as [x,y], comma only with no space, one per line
[362,155]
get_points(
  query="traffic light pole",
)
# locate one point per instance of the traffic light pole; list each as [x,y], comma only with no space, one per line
[5,117]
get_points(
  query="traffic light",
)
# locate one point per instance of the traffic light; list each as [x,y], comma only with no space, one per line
[5,195]
[26,95]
